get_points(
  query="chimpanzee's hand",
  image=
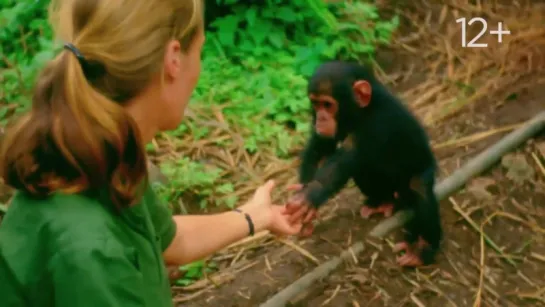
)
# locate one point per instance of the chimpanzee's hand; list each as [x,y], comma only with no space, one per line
[300,210]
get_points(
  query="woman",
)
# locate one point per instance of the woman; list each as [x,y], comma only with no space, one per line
[84,228]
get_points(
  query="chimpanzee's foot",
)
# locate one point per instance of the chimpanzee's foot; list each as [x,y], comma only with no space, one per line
[412,254]
[386,209]
[366,212]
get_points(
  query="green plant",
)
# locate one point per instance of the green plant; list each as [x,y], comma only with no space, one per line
[25,45]
[300,33]
[194,271]
[197,182]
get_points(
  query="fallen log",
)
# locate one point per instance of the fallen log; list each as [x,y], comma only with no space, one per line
[451,184]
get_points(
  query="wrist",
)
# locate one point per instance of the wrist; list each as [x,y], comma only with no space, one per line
[260,217]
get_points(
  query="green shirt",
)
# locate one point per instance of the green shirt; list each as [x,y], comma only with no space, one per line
[74,251]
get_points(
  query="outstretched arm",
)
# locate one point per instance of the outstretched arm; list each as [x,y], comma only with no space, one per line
[316,149]
[197,236]
[330,178]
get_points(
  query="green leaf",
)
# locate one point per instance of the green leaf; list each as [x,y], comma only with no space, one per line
[251,15]
[231,201]
[225,188]
[286,14]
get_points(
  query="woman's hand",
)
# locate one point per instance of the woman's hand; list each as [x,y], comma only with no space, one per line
[268,216]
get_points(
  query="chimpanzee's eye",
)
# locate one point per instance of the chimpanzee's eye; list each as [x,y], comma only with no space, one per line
[328,105]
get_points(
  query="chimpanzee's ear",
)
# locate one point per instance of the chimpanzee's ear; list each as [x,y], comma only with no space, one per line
[362,93]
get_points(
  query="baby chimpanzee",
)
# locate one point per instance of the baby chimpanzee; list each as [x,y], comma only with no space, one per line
[362,131]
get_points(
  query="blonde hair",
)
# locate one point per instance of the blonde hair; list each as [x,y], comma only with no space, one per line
[77,136]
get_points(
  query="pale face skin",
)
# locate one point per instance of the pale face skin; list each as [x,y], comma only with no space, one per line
[162,104]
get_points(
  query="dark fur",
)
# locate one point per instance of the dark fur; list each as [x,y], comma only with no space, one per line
[390,152]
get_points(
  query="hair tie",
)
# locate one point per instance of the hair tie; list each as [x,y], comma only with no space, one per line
[90,70]
[75,51]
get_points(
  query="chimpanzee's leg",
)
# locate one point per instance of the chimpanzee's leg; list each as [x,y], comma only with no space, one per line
[423,231]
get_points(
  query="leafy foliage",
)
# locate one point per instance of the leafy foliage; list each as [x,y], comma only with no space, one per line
[300,33]
[194,271]
[25,45]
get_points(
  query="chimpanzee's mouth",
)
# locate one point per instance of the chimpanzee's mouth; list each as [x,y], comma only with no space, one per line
[323,129]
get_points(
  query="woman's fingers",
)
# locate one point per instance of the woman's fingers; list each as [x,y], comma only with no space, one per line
[267,187]
[298,214]
[294,187]
[298,222]
[281,224]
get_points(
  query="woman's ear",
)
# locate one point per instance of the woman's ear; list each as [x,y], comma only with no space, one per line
[362,92]
[172,61]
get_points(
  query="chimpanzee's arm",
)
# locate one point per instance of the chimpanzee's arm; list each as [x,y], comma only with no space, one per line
[331,177]
[317,148]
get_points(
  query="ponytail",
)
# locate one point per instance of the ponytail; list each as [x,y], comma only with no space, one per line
[74,139]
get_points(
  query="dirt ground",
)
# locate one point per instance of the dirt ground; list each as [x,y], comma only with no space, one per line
[513,274]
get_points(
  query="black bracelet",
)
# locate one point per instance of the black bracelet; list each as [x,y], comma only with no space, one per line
[249,220]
